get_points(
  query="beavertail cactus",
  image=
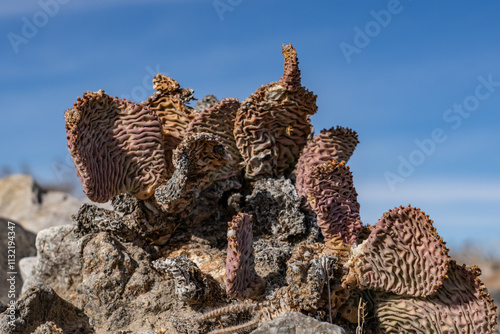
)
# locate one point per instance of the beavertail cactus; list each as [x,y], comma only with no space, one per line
[403,254]
[332,196]
[169,103]
[197,158]
[116,145]
[334,144]
[272,125]
[242,281]
[176,178]
[219,120]
[461,305]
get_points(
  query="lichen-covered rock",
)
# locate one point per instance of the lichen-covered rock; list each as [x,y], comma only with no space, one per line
[26,265]
[272,125]
[275,205]
[206,102]
[219,120]
[461,305]
[333,198]
[41,305]
[242,281]
[169,103]
[116,145]
[92,219]
[191,285]
[196,161]
[271,257]
[133,221]
[22,244]
[57,264]
[403,254]
[209,260]
[297,323]
[334,144]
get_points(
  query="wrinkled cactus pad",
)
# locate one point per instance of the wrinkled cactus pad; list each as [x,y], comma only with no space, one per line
[116,145]
[241,279]
[219,120]
[332,196]
[461,305]
[169,103]
[196,160]
[337,143]
[403,254]
[272,125]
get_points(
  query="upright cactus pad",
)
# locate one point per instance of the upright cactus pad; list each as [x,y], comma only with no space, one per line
[242,281]
[219,120]
[403,254]
[272,125]
[169,103]
[332,196]
[116,145]
[337,143]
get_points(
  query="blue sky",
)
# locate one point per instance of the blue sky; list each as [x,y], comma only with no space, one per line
[418,81]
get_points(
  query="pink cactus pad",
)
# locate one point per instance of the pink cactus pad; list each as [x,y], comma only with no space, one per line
[242,281]
[116,145]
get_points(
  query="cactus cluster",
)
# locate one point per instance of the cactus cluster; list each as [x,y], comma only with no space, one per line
[173,160]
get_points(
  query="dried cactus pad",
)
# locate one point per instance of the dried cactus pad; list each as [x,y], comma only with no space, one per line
[272,125]
[308,275]
[334,144]
[116,145]
[461,305]
[199,154]
[169,103]
[242,281]
[219,120]
[403,254]
[333,198]
[197,158]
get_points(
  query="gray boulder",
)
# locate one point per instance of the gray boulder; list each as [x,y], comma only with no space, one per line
[57,264]
[23,200]
[26,265]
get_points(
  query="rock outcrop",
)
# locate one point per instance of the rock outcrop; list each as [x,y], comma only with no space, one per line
[29,204]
